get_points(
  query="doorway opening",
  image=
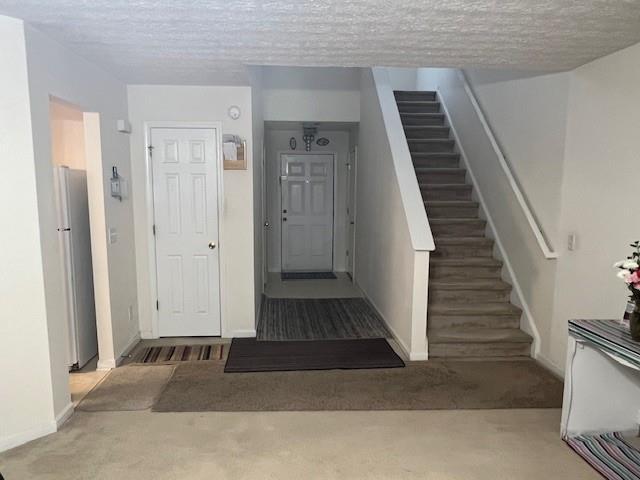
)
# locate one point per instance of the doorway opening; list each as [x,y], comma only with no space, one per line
[72,193]
[309,185]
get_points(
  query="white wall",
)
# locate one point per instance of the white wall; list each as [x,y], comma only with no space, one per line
[528,115]
[403,78]
[257,126]
[392,232]
[276,142]
[599,190]
[149,103]
[311,94]
[26,397]
[55,71]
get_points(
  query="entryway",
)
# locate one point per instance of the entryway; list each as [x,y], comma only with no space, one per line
[185,165]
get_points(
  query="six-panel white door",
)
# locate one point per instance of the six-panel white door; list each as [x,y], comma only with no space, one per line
[185,190]
[307,212]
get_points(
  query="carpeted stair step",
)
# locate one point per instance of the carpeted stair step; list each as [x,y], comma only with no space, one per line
[422,145]
[462,247]
[422,118]
[407,95]
[441,175]
[435,160]
[478,342]
[429,131]
[470,290]
[470,308]
[418,106]
[437,321]
[445,191]
[464,268]
[457,227]
[451,209]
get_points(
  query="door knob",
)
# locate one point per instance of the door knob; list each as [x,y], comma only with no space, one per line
[212,245]
[284,219]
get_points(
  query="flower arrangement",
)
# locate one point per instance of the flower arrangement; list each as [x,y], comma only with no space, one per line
[630,272]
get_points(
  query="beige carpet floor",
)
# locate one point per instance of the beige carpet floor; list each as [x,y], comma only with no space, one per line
[127,388]
[430,385]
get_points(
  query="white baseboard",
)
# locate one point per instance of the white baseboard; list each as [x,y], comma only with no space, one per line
[64,415]
[21,438]
[106,364]
[241,333]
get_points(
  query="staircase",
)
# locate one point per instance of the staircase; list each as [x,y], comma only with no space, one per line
[470,314]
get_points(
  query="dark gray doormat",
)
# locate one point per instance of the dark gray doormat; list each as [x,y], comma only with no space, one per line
[432,385]
[319,319]
[308,276]
[250,355]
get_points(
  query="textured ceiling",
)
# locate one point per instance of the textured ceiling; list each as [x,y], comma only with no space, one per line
[210,41]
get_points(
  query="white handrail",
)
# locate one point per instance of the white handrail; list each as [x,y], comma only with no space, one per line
[506,168]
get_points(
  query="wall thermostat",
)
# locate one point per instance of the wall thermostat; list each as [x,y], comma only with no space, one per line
[234,112]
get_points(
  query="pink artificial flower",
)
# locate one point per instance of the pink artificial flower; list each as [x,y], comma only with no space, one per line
[636,286]
[634,278]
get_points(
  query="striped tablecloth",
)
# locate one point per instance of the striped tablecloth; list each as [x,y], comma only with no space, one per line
[610,336]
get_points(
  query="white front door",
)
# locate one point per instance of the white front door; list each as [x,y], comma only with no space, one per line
[307,212]
[185,193]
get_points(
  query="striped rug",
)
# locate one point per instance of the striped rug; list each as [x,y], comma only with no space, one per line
[181,353]
[609,454]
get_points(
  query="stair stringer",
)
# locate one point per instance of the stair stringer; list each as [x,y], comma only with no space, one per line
[527,322]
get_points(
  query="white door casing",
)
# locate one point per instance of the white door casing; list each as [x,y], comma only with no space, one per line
[307,212]
[185,197]
[351,211]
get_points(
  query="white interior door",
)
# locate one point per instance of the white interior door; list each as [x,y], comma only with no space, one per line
[185,190]
[307,212]
[351,210]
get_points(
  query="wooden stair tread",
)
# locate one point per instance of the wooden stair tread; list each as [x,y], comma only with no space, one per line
[478,335]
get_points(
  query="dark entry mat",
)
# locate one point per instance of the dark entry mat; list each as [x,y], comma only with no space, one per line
[308,276]
[250,355]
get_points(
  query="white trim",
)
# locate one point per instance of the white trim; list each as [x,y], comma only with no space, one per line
[64,415]
[531,219]
[108,364]
[21,438]
[418,224]
[528,320]
[354,214]
[249,332]
[149,200]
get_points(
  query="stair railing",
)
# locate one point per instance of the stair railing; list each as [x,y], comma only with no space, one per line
[543,242]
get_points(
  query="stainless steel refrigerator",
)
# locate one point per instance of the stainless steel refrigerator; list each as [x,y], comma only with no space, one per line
[77,272]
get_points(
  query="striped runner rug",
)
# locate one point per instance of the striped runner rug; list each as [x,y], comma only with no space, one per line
[181,353]
[609,454]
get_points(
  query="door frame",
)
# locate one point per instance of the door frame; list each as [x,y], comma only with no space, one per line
[334,156]
[150,211]
[354,213]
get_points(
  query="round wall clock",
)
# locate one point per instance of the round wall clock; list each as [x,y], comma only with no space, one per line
[292,143]
[234,112]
